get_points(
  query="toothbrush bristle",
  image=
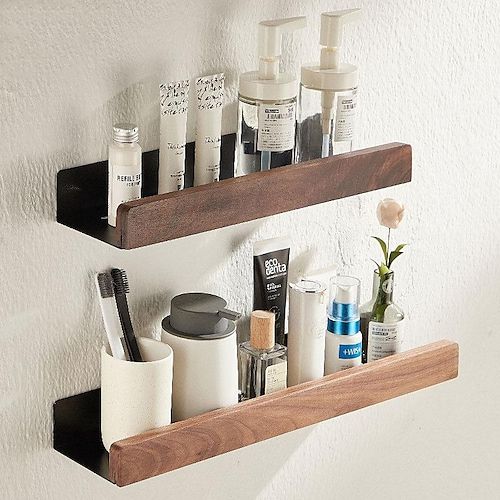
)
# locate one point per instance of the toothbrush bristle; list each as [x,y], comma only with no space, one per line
[120,281]
[105,285]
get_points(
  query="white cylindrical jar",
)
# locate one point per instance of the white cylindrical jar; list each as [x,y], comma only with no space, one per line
[135,397]
[203,339]
[306,331]
[124,168]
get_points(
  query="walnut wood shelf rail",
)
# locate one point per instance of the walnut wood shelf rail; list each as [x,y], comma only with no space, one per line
[81,194]
[220,431]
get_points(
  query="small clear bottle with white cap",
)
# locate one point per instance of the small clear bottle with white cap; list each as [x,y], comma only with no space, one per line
[343,342]
[328,98]
[124,168]
[267,105]
[262,362]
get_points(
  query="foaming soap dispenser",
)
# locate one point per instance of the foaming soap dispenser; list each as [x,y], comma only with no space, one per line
[202,334]
[267,105]
[328,95]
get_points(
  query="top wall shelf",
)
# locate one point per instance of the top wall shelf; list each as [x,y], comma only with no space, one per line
[82,193]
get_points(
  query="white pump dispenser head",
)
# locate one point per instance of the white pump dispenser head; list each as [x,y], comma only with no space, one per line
[268,83]
[331,74]
[270,35]
[332,30]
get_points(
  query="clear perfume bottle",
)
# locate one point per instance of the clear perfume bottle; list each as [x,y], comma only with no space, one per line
[262,363]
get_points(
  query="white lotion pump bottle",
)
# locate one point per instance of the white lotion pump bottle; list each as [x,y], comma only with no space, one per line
[267,105]
[328,95]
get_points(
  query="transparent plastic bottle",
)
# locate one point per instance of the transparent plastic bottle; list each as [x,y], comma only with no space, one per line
[328,93]
[248,156]
[319,137]
[267,104]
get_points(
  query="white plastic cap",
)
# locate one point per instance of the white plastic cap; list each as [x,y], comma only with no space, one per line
[270,34]
[331,74]
[332,26]
[268,84]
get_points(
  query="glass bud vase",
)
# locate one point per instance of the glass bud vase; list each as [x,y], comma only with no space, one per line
[365,314]
[385,330]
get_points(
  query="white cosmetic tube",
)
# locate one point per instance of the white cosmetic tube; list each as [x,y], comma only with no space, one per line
[209,96]
[173,121]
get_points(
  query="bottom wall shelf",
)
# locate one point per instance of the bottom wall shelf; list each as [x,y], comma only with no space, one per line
[77,433]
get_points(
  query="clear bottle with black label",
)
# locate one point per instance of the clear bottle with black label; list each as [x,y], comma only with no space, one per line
[262,362]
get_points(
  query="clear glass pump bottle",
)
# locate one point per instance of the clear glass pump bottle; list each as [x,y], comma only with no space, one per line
[124,168]
[262,363]
[250,154]
[326,116]
[324,131]
[267,105]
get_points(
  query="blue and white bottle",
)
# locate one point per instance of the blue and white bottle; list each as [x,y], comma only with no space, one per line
[343,337]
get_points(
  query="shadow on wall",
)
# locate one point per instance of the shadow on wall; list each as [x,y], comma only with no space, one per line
[188,263]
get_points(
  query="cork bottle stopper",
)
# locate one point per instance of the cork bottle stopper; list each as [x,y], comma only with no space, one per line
[262,330]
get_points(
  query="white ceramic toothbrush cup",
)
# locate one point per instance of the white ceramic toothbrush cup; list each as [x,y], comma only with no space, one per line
[136,396]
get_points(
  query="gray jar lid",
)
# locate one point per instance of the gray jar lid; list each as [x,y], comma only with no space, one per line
[200,316]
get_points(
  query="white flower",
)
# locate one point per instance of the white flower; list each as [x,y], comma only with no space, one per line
[390,213]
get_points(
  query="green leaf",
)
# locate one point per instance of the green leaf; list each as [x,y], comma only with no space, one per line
[376,263]
[394,255]
[383,270]
[400,247]
[383,246]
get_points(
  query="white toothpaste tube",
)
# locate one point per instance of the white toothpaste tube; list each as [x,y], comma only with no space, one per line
[209,96]
[173,120]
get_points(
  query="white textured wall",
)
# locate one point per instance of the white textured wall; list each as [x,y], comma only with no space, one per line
[69,69]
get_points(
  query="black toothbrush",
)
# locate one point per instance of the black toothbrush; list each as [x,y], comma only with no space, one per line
[120,283]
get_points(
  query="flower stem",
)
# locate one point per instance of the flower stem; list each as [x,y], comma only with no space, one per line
[388,247]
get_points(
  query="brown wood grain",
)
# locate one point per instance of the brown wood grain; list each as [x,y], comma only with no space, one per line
[232,201]
[205,436]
